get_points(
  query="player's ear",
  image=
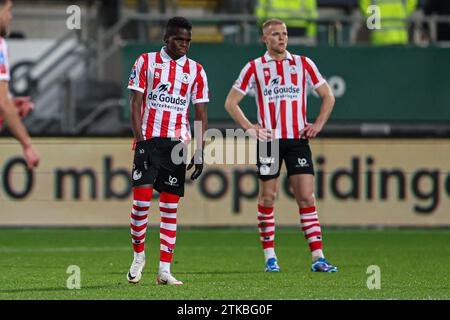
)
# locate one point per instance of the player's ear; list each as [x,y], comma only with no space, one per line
[264,39]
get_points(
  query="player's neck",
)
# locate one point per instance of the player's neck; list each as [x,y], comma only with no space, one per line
[172,55]
[276,55]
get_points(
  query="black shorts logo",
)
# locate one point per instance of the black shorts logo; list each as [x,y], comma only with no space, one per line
[137,175]
[264,170]
[172,181]
[302,163]
[266,160]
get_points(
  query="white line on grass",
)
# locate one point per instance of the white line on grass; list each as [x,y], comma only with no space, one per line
[63,249]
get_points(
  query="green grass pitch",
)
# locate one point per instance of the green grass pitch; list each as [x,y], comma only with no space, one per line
[224,264]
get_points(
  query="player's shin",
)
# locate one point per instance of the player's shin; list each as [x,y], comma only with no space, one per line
[266,228]
[309,221]
[168,229]
[138,223]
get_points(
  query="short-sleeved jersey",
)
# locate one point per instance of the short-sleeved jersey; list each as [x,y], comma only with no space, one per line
[168,86]
[4,65]
[280,88]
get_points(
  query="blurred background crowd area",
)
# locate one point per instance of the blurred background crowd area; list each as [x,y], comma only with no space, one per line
[382,78]
[322,22]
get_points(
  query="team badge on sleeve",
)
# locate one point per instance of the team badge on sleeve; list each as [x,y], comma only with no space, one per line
[133,77]
[133,73]
[2,63]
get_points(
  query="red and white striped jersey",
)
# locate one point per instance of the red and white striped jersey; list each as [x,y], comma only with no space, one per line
[4,65]
[280,91]
[168,86]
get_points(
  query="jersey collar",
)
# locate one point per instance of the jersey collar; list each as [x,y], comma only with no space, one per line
[166,58]
[269,57]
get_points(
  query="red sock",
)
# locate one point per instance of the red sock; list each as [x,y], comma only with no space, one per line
[168,204]
[309,221]
[266,228]
[141,202]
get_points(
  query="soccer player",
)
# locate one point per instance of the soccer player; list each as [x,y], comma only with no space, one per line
[162,86]
[11,109]
[280,79]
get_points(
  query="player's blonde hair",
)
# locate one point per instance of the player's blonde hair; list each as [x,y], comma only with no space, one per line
[271,22]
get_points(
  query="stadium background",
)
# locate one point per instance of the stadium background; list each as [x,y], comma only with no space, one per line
[382,160]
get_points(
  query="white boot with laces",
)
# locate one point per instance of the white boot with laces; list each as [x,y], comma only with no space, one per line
[135,272]
[166,278]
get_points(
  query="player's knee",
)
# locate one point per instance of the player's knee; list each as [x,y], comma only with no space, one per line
[305,201]
[267,199]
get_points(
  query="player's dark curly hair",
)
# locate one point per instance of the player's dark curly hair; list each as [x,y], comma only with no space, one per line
[178,22]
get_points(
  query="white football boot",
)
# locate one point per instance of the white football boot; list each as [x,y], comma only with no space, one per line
[166,278]
[135,272]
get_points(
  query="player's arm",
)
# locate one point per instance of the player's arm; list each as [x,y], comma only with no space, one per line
[201,123]
[311,130]
[136,99]
[24,105]
[232,106]
[16,126]
[201,116]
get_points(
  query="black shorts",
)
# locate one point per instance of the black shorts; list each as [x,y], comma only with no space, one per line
[153,164]
[296,153]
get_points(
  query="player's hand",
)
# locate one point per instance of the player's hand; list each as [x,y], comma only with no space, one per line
[31,157]
[260,133]
[196,160]
[311,130]
[24,105]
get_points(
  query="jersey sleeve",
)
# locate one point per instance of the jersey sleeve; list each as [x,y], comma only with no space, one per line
[313,75]
[138,75]
[200,91]
[245,81]
[4,64]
